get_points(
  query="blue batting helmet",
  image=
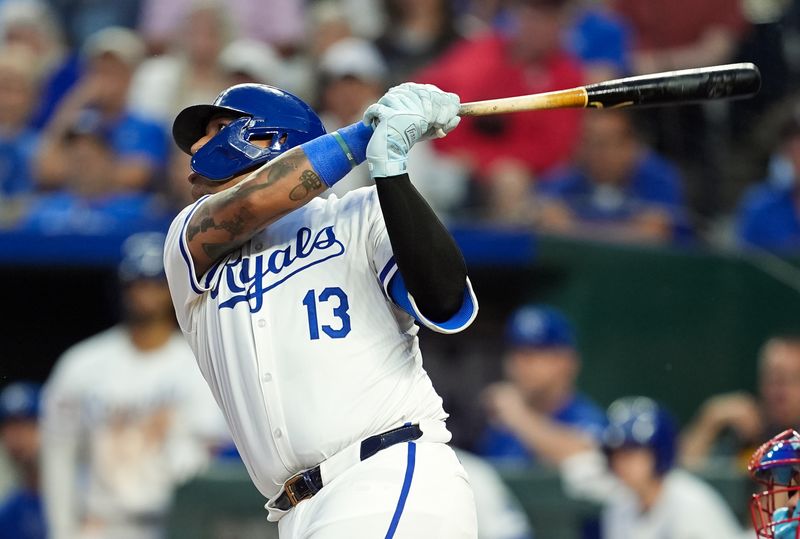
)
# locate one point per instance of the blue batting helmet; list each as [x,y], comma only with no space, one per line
[142,257]
[538,326]
[261,112]
[641,422]
[20,400]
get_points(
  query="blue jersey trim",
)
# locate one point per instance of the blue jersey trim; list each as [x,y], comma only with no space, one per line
[186,258]
[385,271]
[212,272]
[461,319]
[401,503]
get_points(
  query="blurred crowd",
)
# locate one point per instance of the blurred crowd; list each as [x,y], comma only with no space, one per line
[88,91]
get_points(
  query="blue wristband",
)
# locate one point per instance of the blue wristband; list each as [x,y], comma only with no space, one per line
[335,154]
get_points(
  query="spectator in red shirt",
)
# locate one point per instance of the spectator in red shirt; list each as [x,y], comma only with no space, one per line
[526,59]
[679,34]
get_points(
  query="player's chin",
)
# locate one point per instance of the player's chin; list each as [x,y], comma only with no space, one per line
[202,186]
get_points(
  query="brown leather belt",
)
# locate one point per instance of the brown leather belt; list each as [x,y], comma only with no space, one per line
[305,484]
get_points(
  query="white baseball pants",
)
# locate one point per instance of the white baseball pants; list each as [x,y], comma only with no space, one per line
[410,490]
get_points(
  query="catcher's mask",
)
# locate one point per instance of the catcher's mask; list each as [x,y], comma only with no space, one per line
[775,466]
[260,112]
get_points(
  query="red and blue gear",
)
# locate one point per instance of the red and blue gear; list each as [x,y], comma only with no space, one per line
[776,467]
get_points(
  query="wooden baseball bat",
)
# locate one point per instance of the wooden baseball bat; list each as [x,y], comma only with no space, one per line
[668,88]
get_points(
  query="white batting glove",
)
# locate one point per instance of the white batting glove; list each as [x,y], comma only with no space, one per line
[405,115]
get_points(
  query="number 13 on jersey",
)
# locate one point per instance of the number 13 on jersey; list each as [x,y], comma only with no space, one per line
[335,299]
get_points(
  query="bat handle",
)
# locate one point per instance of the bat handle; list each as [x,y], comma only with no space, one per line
[571,98]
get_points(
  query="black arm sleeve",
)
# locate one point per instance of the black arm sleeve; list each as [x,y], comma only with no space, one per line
[426,254]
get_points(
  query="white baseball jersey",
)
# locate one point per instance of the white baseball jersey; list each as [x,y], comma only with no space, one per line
[298,339]
[121,427]
[687,508]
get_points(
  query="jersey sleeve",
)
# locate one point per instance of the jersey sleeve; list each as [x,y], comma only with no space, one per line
[382,257]
[185,285]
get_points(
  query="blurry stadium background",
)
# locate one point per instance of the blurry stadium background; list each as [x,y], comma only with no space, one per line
[669,238]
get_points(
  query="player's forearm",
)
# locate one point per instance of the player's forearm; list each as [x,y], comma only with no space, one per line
[232,217]
[552,442]
[696,442]
[426,254]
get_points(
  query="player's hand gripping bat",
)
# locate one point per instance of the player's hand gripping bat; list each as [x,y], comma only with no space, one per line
[668,88]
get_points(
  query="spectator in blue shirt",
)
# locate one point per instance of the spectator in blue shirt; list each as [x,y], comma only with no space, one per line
[769,215]
[539,398]
[601,39]
[21,514]
[89,202]
[18,143]
[140,146]
[618,189]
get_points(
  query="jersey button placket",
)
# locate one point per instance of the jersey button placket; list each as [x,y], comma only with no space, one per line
[262,337]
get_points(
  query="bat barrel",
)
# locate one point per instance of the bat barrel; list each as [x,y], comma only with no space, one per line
[673,87]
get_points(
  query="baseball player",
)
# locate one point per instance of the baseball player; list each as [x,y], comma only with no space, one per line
[126,415]
[776,467]
[632,474]
[301,310]
[21,514]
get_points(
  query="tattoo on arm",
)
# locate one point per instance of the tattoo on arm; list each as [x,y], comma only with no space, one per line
[233,211]
[309,181]
[234,226]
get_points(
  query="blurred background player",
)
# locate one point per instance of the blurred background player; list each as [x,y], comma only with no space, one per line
[127,415]
[21,515]
[542,365]
[632,474]
[500,515]
[730,425]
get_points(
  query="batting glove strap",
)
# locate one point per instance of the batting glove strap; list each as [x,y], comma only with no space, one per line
[387,152]
[333,156]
